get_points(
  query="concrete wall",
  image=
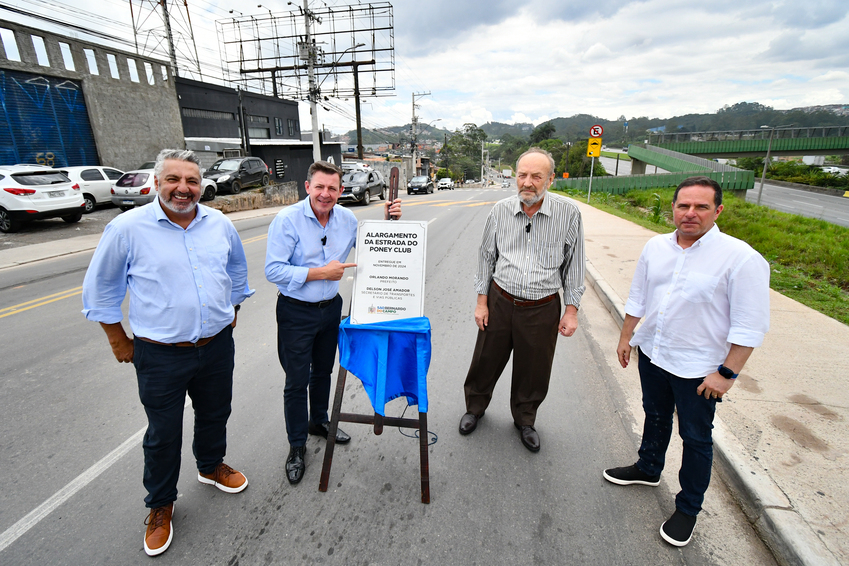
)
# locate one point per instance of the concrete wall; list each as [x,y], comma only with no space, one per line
[131,121]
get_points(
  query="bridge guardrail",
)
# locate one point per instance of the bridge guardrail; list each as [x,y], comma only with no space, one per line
[729,181]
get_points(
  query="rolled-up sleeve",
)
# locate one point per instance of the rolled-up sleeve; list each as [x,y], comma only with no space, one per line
[237,269]
[487,256]
[105,283]
[748,296]
[279,270]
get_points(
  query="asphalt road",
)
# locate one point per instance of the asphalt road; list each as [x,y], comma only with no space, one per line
[71,427]
[805,203]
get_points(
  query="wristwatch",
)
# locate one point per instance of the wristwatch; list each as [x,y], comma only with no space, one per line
[237,307]
[726,373]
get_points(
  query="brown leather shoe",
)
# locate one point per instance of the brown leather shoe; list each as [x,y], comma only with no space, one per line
[468,423]
[157,537]
[529,437]
[225,478]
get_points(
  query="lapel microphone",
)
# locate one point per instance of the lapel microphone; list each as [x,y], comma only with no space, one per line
[528,228]
[324,241]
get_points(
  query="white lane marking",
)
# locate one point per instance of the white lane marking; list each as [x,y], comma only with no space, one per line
[471,197]
[35,516]
[429,222]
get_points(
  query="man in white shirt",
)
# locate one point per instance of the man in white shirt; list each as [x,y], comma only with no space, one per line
[704,300]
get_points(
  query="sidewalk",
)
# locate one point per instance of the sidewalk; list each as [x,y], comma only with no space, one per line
[780,436]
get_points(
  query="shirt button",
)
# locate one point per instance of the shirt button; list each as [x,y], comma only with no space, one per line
[203,305]
[199,286]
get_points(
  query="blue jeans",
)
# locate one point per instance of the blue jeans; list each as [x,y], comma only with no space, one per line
[307,337]
[664,392]
[165,375]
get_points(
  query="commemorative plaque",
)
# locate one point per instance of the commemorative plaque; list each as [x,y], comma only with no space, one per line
[390,273]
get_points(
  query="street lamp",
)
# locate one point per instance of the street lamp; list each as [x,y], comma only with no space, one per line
[766,161]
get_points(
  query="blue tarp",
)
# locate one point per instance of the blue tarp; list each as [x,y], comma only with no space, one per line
[390,358]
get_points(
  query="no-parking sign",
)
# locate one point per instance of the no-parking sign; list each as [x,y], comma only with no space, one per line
[596,131]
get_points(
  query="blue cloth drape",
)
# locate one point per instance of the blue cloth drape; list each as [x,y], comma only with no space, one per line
[390,358]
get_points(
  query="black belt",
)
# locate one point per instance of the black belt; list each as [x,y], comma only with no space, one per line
[523,302]
[199,344]
[320,304]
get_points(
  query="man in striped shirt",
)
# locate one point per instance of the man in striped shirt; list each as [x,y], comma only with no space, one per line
[533,246]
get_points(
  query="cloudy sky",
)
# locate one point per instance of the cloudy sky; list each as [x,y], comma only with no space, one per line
[533,60]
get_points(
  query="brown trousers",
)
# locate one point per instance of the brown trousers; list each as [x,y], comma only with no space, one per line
[531,334]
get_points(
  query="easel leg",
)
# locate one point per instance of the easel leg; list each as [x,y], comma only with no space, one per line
[424,458]
[334,426]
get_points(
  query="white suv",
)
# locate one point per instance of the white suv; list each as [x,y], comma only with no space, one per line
[95,182]
[31,193]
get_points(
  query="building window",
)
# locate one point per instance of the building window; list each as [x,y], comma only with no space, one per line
[40,50]
[278,126]
[92,61]
[164,70]
[259,133]
[291,124]
[207,114]
[258,119]
[67,56]
[10,46]
[134,70]
[148,70]
[113,66]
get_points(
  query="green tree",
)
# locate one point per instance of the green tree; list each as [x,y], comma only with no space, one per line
[542,132]
[463,150]
[579,164]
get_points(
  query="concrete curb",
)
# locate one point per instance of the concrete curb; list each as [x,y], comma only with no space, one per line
[790,538]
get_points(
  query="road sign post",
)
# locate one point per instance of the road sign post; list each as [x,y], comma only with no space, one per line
[593,151]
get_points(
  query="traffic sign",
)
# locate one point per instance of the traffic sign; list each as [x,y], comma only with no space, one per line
[596,131]
[594,147]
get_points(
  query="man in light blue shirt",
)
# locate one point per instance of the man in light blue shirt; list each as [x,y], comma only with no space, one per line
[185,269]
[307,243]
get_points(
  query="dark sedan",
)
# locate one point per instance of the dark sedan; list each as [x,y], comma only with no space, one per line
[422,184]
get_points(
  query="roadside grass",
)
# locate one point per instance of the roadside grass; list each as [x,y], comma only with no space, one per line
[613,154]
[809,258]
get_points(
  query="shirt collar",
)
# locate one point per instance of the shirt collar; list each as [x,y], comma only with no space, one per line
[705,239]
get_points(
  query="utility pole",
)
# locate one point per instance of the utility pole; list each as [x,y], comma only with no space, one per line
[357,107]
[171,53]
[313,95]
[413,131]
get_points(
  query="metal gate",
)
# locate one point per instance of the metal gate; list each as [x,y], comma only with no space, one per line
[44,121]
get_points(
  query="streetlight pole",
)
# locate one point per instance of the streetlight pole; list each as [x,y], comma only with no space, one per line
[766,160]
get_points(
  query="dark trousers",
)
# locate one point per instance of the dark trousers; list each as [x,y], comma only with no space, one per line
[165,375]
[307,337]
[531,334]
[662,393]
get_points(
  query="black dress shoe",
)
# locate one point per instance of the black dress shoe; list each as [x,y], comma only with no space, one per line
[295,464]
[468,423]
[323,430]
[529,437]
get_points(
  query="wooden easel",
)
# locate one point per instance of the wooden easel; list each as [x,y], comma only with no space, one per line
[378,421]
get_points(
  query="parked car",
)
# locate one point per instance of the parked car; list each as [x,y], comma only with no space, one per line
[832,170]
[234,173]
[421,184]
[445,183]
[95,182]
[360,185]
[134,188]
[505,184]
[28,193]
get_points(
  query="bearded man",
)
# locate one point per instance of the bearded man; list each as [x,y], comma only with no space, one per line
[533,246]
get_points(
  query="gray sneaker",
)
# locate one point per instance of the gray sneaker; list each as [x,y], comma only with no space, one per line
[630,475]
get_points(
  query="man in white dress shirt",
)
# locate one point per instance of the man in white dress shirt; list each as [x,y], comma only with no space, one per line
[704,300]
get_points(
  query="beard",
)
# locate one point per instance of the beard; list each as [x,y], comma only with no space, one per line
[178,206]
[530,201]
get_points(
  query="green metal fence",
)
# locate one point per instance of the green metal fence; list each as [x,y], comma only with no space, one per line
[758,146]
[728,180]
